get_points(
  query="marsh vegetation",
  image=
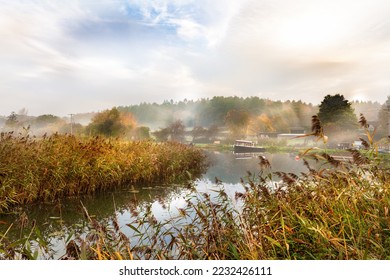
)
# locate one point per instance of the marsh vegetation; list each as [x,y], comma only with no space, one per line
[62,165]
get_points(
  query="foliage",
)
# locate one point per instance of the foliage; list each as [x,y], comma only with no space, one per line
[111,123]
[12,120]
[212,112]
[237,121]
[141,133]
[44,120]
[162,135]
[204,135]
[175,131]
[337,114]
[383,117]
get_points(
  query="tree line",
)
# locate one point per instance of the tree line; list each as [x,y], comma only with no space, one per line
[205,118]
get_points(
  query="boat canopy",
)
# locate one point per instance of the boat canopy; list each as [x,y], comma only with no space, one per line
[244,143]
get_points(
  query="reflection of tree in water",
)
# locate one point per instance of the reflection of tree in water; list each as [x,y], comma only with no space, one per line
[229,169]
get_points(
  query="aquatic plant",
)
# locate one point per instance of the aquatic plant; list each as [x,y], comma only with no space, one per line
[62,165]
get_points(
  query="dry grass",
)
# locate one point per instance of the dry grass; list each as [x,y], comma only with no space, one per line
[63,165]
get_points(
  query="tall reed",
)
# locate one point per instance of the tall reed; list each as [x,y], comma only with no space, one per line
[64,165]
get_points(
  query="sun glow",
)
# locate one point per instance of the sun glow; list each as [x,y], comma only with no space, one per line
[359,97]
[310,31]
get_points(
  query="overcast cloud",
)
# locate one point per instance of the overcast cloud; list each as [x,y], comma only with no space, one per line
[74,56]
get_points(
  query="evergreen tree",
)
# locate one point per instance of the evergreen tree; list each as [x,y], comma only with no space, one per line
[336,112]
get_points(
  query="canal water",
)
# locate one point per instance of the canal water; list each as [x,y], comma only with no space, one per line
[58,219]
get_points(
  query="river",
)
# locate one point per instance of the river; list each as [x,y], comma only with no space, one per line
[56,220]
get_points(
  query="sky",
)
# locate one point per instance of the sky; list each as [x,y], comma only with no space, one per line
[61,57]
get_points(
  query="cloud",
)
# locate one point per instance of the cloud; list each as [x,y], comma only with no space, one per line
[72,56]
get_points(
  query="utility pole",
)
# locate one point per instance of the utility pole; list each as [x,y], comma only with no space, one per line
[388,117]
[71,123]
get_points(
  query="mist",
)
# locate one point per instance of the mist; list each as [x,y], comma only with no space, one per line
[258,117]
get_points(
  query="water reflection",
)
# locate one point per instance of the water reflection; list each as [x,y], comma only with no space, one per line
[230,168]
[56,220]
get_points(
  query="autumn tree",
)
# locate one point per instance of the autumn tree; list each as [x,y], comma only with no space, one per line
[112,123]
[262,123]
[237,121]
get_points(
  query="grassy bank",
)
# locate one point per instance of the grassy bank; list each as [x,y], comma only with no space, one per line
[62,165]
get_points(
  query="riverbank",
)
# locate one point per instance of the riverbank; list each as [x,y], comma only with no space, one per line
[63,165]
[274,149]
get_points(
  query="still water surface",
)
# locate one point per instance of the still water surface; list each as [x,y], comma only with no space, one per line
[58,218]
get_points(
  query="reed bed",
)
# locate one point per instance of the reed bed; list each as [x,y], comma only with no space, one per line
[64,165]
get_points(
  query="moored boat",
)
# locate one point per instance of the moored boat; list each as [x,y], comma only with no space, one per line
[244,146]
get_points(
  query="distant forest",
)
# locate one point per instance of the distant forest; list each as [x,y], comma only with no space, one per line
[280,116]
[256,114]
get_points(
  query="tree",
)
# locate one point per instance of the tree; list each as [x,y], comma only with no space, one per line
[199,133]
[177,130]
[384,119]
[261,123]
[141,133]
[45,120]
[174,132]
[162,134]
[337,115]
[237,121]
[212,132]
[204,135]
[112,123]
[47,124]
[12,120]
